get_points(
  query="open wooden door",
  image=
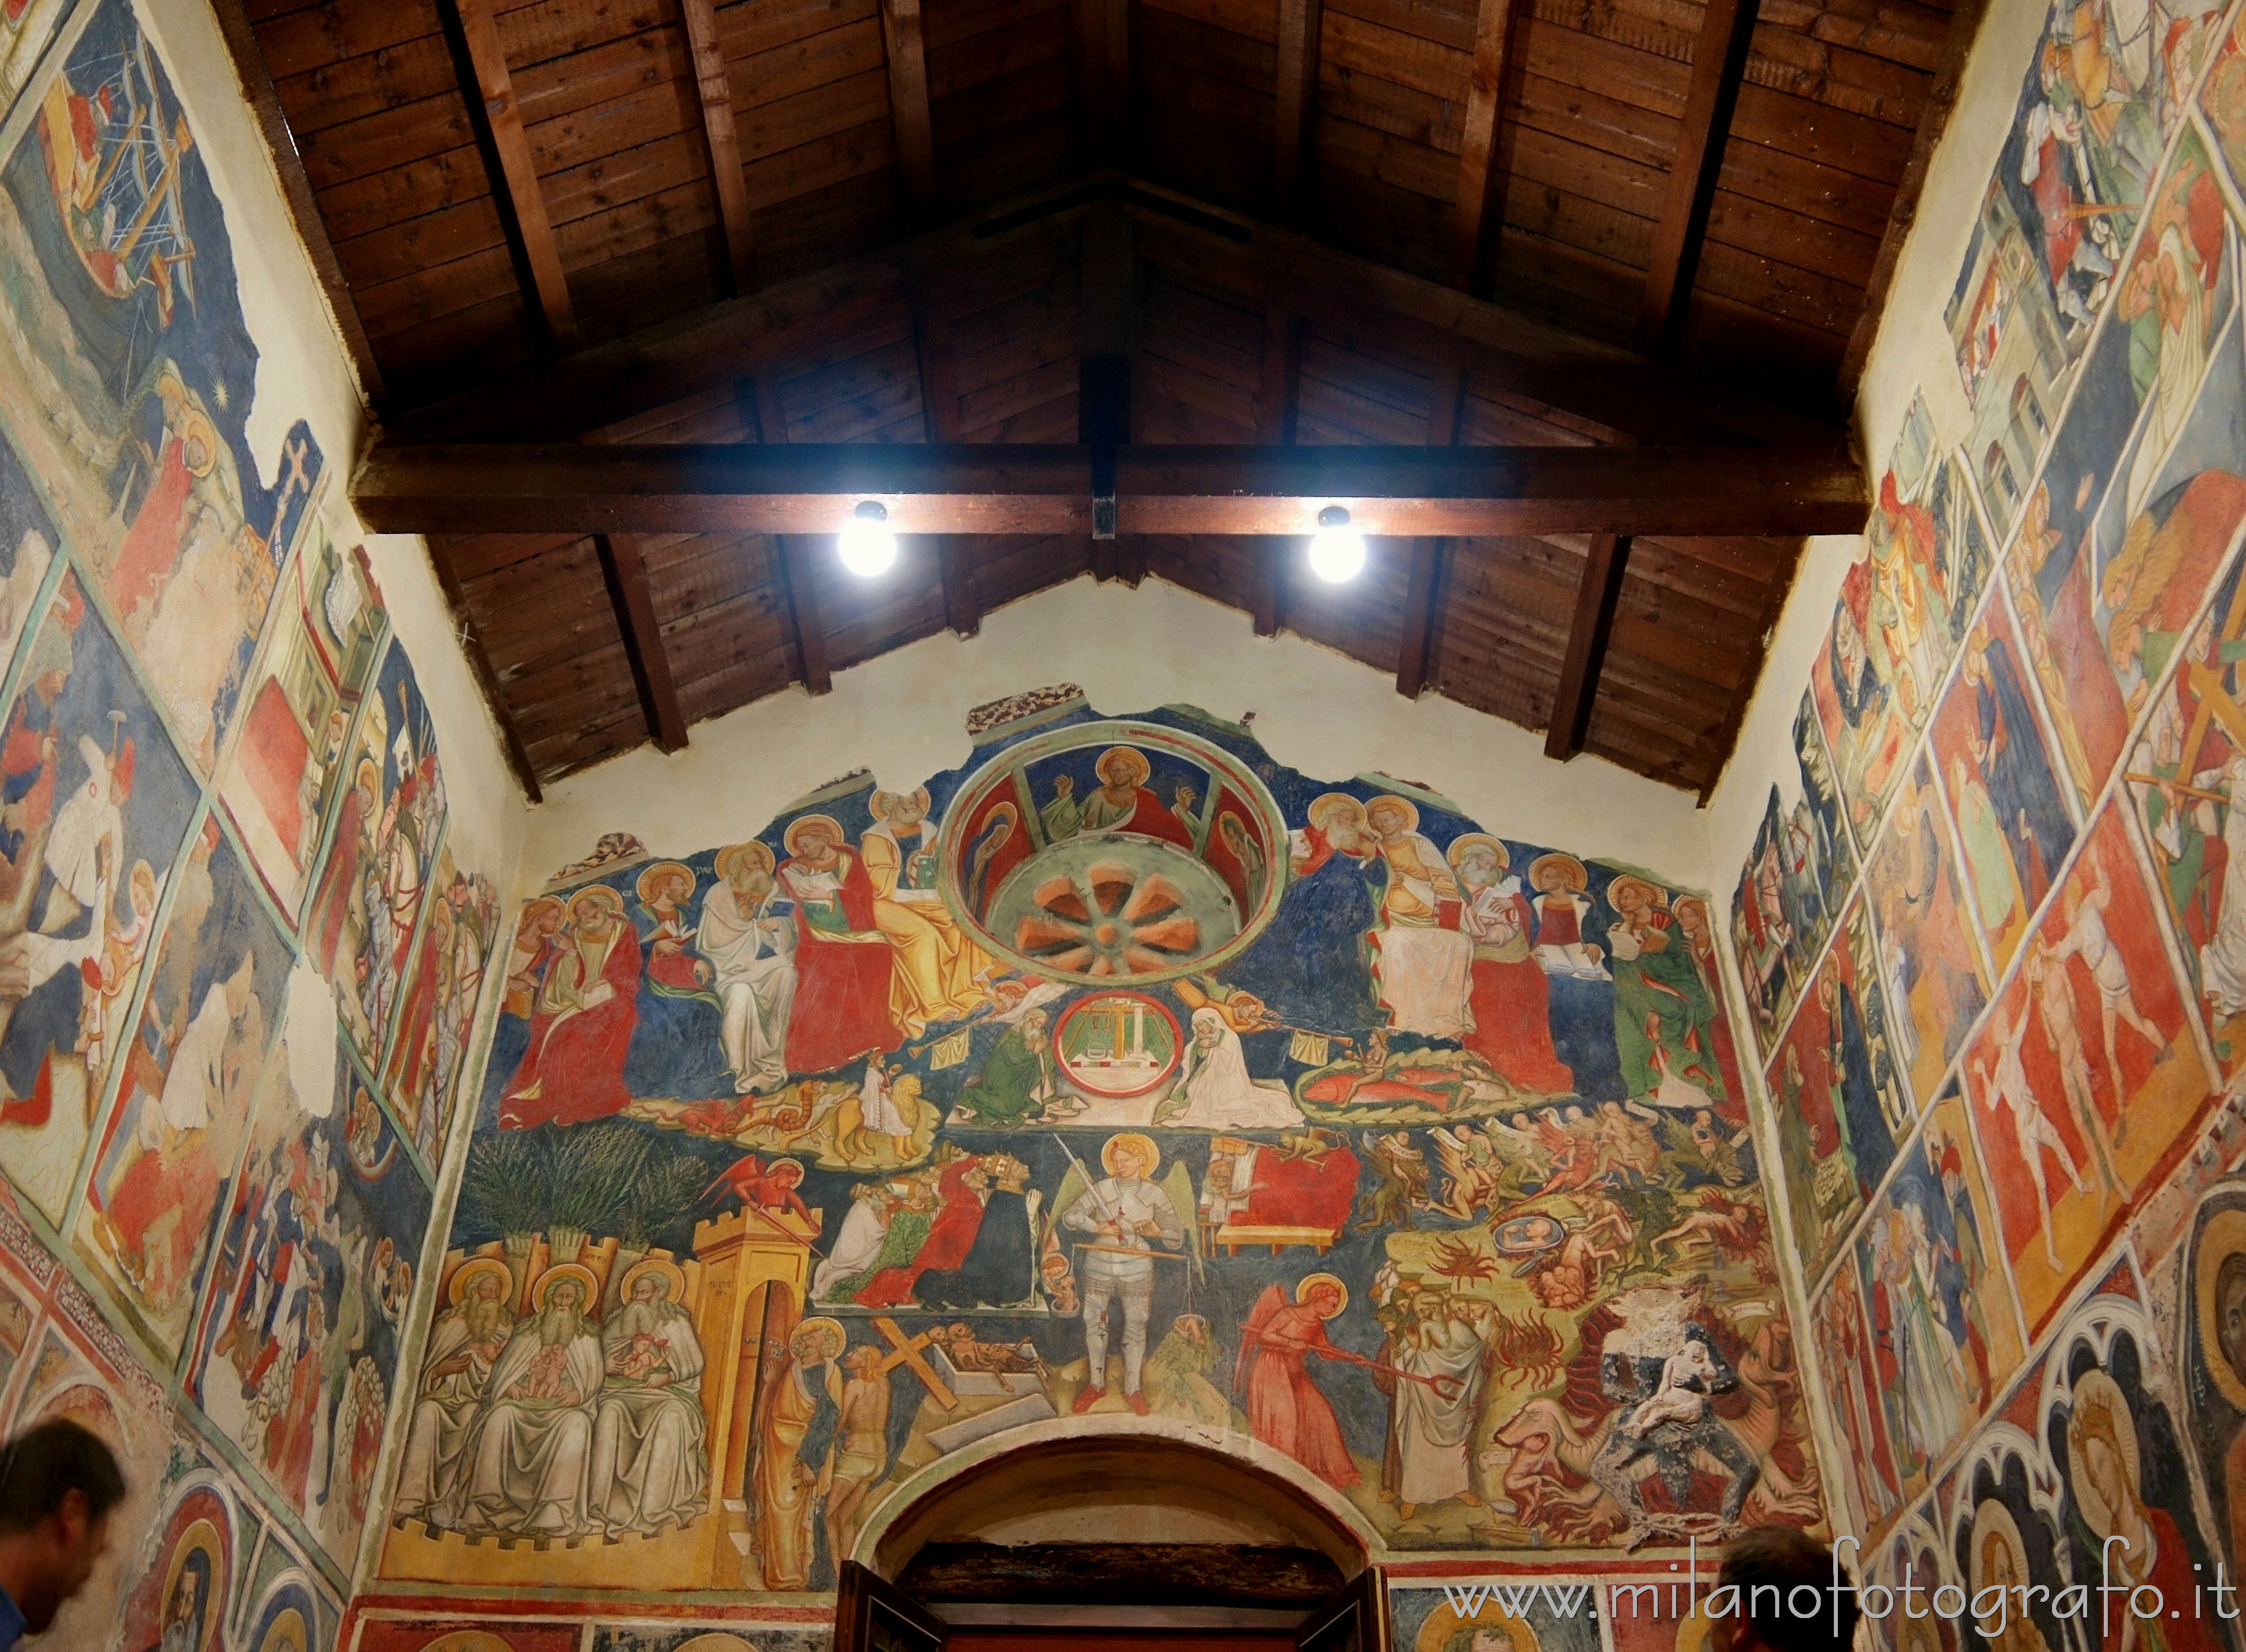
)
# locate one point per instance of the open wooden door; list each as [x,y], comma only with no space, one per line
[872,1616]
[1354,1618]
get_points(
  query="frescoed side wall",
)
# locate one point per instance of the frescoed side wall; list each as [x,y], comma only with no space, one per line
[2010,1181]
[242,938]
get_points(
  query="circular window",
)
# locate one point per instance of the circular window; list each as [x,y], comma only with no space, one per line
[1117,1044]
[1106,853]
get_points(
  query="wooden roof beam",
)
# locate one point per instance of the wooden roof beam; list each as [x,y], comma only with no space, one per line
[1108,293]
[1719,62]
[1423,592]
[1294,127]
[625,574]
[714,91]
[1478,151]
[471,644]
[804,617]
[904,38]
[990,488]
[1275,426]
[505,145]
[1595,601]
[1100,63]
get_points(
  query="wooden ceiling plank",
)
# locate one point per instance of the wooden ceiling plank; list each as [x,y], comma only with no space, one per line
[714,93]
[1421,642]
[514,177]
[975,487]
[1587,645]
[1719,60]
[903,37]
[650,666]
[1294,128]
[1478,152]
[1281,378]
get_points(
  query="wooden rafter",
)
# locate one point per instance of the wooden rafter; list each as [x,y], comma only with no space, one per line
[903,37]
[1423,591]
[939,396]
[498,120]
[625,573]
[1719,62]
[1477,149]
[992,488]
[1275,426]
[1293,124]
[1108,285]
[1595,601]
[713,90]
[1100,63]
[794,562]
[478,656]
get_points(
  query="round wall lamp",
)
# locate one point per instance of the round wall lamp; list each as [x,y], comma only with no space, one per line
[1337,549]
[865,543]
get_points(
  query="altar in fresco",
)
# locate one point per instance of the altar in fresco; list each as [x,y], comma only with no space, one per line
[1124,1072]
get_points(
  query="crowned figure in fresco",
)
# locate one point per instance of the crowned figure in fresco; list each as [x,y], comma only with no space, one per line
[843,962]
[580,1030]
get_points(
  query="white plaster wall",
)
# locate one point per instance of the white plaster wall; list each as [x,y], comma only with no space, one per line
[903,715]
[304,372]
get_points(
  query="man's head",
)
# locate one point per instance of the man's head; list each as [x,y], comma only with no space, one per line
[58,1486]
[1766,1565]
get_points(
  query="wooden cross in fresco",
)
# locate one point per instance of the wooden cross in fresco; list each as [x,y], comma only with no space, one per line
[909,1354]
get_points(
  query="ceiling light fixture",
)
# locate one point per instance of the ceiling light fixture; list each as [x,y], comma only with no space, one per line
[1337,549]
[867,546]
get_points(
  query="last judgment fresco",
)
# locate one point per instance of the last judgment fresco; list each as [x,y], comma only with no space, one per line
[1123,1072]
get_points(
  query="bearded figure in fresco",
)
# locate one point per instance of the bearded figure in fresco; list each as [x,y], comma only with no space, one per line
[936,966]
[649,1467]
[464,1344]
[522,1467]
[581,1032]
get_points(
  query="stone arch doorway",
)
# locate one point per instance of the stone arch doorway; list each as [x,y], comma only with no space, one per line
[1096,1535]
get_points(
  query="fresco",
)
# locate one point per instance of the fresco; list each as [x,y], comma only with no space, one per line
[1200,1090]
[443,983]
[1937,982]
[1839,1101]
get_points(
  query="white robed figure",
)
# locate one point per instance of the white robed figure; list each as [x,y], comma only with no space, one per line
[1434,1434]
[1422,965]
[523,1464]
[748,936]
[864,1228]
[1213,1087]
[464,1344]
[649,1466]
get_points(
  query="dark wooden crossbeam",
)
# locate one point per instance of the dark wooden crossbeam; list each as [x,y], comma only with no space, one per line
[993,488]
[1719,62]
[714,94]
[471,644]
[497,122]
[804,617]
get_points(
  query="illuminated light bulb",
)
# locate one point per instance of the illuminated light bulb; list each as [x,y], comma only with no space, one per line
[1337,549]
[866,545]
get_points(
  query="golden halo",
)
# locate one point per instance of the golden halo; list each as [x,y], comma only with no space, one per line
[467,1641]
[2097,1388]
[1303,1289]
[733,857]
[601,896]
[198,428]
[716,1641]
[476,1267]
[1466,840]
[1411,809]
[1993,1519]
[1150,1155]
[1140,768]
[533,910]
[1327,805]
[829,1332]
[1570,870]
[655,876]
[795,829]
[577,1271]
[1655,896]
[2224,1237]
[201,1534]
[286,1633]
[669,1270]
[881,802]
[369,772]
[1445,1626]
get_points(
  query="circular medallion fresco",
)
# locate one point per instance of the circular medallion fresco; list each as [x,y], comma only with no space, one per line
[1114,852]
[1117,1044]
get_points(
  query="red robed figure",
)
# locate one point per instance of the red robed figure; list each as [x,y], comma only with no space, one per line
[841,1009]
[1285,1409]
[574,1069]
[951,1236]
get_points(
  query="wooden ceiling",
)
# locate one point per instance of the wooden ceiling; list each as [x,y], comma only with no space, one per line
[1403,222]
